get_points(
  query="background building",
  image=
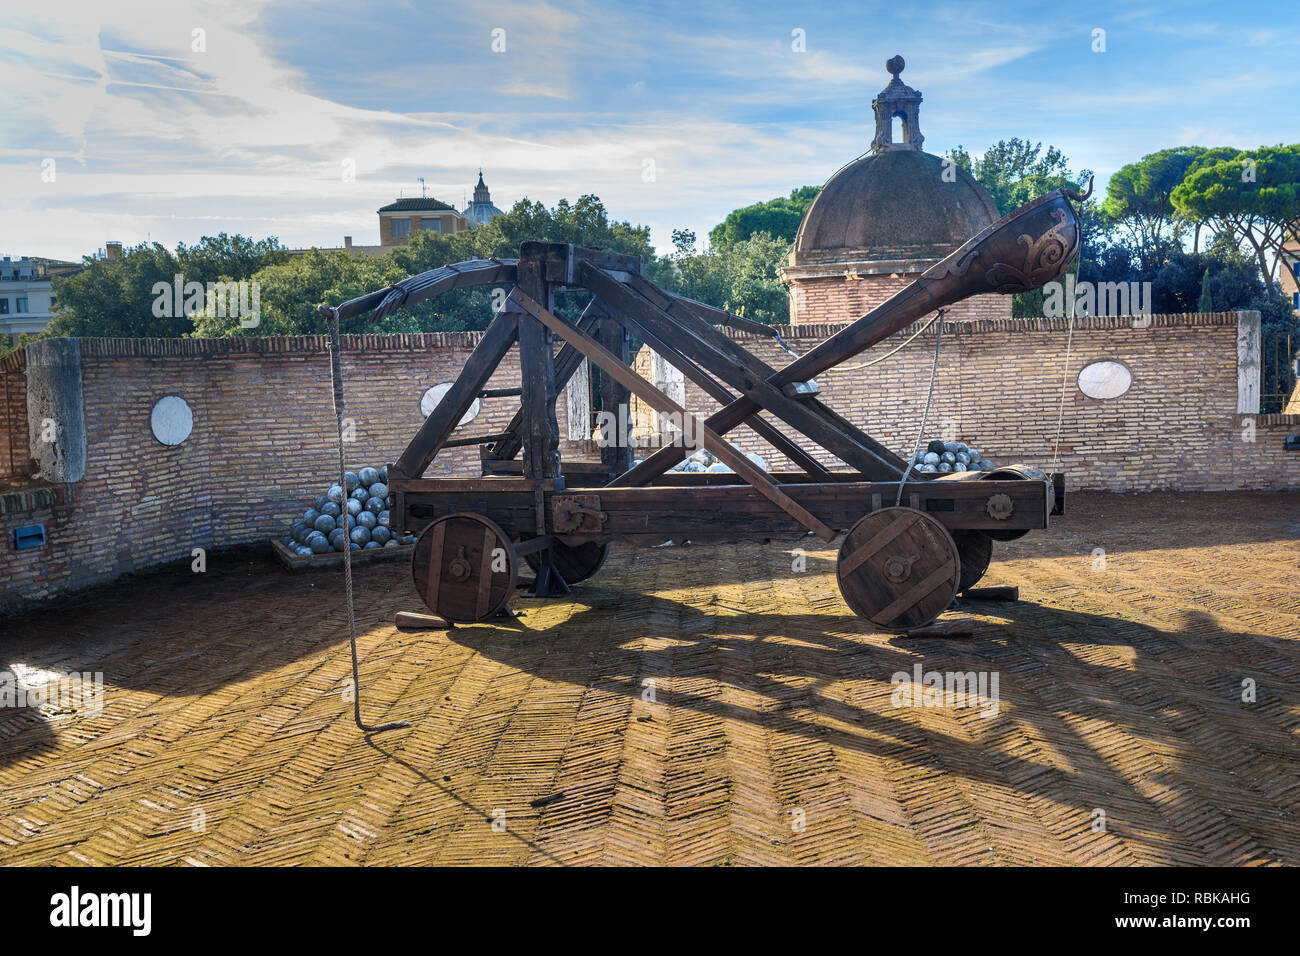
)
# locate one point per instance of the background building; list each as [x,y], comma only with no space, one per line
[401,219]
[26,301]
[481,211]
[884,219]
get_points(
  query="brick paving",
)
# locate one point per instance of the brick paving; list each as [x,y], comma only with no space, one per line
[690,705]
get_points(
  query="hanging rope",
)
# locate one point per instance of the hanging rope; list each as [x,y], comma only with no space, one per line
[336,374]
[925,415]
[874,361]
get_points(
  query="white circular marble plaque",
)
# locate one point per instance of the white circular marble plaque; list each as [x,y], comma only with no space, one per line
[1104,380]
[171,420]
[434,395]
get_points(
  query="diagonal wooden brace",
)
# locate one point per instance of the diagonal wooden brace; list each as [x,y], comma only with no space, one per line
[437,428]
[657,400]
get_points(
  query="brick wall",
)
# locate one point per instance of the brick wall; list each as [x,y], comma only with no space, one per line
[824,299]
[13,417]
[998,387]
[262,445]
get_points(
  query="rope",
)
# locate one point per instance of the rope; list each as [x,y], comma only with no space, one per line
[336,375]
[925,415]
[874,361]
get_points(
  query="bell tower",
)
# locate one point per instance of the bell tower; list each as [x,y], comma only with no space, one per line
[899,100]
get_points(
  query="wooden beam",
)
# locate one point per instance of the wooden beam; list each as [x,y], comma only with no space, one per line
[656,399]
[756,366]
[566,364]
[541,429]
[437,428]
[740,369]
[659,342]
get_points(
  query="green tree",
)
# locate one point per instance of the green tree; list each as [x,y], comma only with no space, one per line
[290,291]
[116,298]
[1256,197]
[739,277]
[121,298]
[1015,172]
[1206,302]
[779,218]
[1138,198]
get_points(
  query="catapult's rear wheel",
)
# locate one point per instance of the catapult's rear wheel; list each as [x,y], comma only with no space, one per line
[898,568]
[975,549]
[464,567]
[575,562]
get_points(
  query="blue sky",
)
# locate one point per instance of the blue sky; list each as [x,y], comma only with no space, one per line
[152,138]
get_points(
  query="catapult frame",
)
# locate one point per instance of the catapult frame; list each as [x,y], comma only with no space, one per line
[899,566]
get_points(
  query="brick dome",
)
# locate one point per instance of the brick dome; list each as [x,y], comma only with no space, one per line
[885,218]
[893,205]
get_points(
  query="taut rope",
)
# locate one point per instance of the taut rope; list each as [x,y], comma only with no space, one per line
[925,415]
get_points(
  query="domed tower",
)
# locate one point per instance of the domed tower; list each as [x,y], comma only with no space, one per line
[884,219]
[481,210]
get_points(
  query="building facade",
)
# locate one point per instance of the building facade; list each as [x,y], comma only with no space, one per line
[26,299]
[884,219]
[403,218]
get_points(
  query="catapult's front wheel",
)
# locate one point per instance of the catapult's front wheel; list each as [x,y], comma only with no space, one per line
[575,562]
[464,567]
[898,568]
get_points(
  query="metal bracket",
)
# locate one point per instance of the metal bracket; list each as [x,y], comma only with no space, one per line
[577,513]
[1000,507]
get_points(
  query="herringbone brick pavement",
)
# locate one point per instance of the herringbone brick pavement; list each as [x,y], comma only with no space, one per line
[690,705]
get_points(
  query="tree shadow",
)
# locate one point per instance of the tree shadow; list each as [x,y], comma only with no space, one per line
[1162,697]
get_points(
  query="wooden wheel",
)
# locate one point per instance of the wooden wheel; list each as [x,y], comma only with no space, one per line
[898,568]
[975,549]
[575,562]
[464,567]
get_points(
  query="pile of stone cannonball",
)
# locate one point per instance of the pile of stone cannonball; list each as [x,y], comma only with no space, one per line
[704,460]
[366,497]
[945,457]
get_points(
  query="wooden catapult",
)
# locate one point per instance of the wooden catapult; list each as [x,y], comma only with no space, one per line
[913,541]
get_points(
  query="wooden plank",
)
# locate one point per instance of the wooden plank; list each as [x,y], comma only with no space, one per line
[418,288]
[660,402]
[435,563]
[659,340]
[613,397]
[541,428]
[742,370]
[437,428]
[737,510]
[804,402]
[566,364]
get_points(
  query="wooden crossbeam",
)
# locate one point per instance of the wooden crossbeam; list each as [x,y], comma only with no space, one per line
[437,428]
[657,337]
[657,400]
[745,371]
[567,363]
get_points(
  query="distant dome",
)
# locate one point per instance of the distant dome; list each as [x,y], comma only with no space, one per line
[892,205]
